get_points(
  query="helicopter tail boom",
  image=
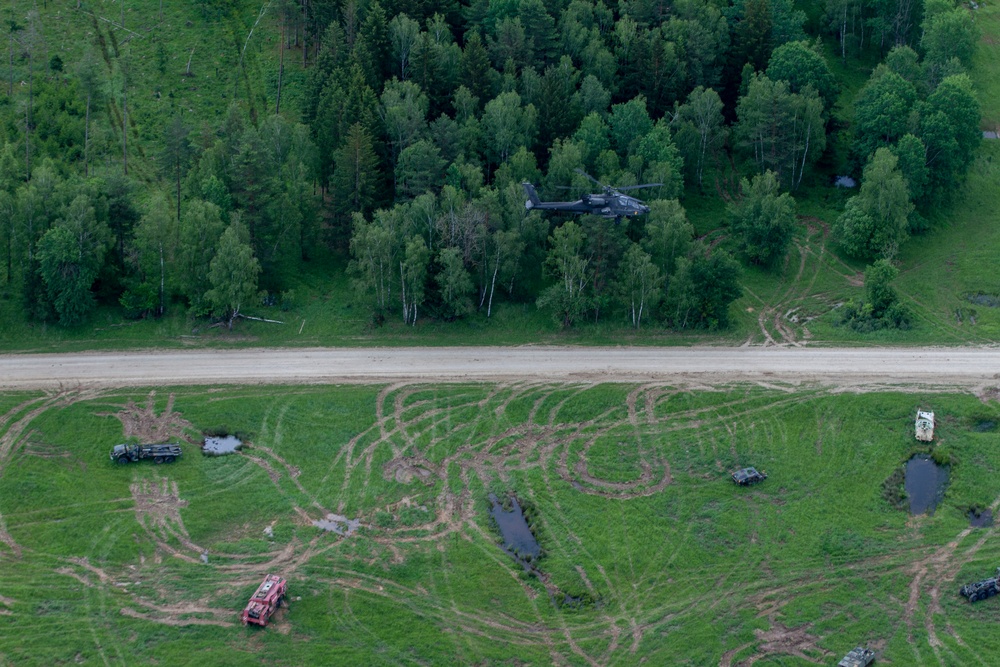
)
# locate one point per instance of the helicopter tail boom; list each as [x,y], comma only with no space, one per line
[533,199]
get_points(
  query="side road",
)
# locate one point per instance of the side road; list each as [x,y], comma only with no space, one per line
[946,367]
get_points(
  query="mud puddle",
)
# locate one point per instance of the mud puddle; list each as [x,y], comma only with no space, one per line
[518,540]
[221,445]
[925,483]
[338,524]
[980,518]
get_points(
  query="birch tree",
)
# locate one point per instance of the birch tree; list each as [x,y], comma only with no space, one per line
[700,130]
[638,284]
[412,276]
[569,267]
[233,274]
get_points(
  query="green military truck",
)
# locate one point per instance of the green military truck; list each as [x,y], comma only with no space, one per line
[164,453]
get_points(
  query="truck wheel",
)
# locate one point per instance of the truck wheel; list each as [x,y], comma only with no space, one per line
[168,459]
[122,459]
[157,459]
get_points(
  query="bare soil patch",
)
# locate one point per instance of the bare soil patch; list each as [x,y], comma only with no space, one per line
[405,469]
[143,422]
[157,509]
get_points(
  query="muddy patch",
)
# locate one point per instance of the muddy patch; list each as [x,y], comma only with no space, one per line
[335,523]
[980,518]
[925,483]
[145,425]
[518,540]
[221,445]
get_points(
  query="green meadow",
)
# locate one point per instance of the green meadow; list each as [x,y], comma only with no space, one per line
[650,554]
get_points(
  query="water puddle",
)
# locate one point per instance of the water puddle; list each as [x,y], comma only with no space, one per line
[984,426]
[925,483]
[518,540]
[980,519]
[338,524]
[221,445]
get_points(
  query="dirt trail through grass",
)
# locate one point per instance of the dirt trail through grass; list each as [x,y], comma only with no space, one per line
[415,475]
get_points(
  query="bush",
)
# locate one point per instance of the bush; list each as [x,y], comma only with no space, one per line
[881,308]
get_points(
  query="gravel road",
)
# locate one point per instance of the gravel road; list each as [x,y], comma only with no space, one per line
[943,367]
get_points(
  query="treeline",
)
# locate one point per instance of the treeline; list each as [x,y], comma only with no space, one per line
[419,121]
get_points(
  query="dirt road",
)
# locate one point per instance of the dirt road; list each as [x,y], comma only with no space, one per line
[946,367]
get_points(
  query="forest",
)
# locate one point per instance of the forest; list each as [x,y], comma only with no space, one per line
[394,137]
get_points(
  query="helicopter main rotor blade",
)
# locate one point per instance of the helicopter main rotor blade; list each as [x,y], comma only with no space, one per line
[583,173]
[636,187]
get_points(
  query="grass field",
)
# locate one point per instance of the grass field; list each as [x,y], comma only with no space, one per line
[628,492]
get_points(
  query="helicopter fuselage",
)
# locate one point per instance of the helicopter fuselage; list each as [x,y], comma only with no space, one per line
[607,205]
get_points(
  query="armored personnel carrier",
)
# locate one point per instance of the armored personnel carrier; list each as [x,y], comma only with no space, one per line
[982,589]
[924,426]
[748,476]
[857,657]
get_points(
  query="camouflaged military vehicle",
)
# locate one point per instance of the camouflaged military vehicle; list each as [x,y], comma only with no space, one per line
[982,589]
[748,476]
[857,657]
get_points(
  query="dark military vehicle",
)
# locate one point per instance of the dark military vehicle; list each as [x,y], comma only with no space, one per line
[159,453]
[748,476]
[857,657]
[983,589]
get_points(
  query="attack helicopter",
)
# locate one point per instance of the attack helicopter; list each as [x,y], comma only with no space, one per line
[610,203]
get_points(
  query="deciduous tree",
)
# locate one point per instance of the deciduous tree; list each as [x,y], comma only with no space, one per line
[882,111]
[200,230]
[874,222]
[151,258]
[568,296]
[70,255]
[412,277]
[700,130]
[507,126]
[800,65]
[763,219]
[454,284]
[638,285]
[233,274]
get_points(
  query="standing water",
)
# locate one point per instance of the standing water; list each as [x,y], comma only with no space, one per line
[981,519]
[226,444]
[517,538]
[925,483]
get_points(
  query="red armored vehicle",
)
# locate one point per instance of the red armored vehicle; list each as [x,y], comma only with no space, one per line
[265,601]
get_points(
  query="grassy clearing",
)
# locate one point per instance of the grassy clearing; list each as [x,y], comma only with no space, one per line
[630,500]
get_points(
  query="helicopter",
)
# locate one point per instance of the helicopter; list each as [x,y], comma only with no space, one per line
[610,203]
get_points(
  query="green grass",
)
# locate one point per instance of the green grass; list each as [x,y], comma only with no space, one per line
[632,506]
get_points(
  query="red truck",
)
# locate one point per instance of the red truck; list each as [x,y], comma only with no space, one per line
[265,601]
